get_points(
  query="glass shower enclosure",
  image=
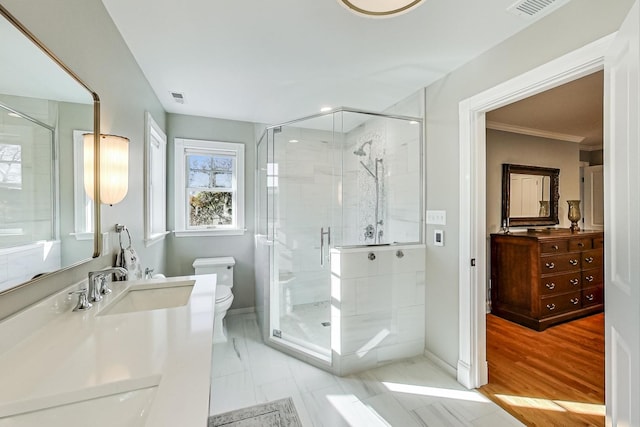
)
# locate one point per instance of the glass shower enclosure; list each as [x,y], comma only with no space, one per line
[346,179]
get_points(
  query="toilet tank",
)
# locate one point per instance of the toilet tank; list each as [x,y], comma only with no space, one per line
[222,266]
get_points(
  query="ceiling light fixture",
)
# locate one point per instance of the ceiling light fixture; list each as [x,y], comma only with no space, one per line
[325,109]
[380,8]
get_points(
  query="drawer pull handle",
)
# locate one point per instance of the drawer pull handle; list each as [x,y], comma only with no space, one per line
[575,301]
[589,278]
[573,261]
[551,286]
[589,297]
[551,306]
[555,247]
[581,244]
[550,265]
[589,259]
[574,282]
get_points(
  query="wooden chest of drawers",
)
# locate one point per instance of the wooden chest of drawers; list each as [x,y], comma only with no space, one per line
[539,279]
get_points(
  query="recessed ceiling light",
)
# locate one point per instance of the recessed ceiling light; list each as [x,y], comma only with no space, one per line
[380,8]
[14,115]
[293,141]
[413,122]
[325,109]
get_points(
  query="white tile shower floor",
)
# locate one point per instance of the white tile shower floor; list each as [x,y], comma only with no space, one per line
[411,392]
[304,322]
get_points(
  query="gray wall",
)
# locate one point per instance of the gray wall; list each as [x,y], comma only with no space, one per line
[182,251]
[82,34]
[569,28]
[506,147]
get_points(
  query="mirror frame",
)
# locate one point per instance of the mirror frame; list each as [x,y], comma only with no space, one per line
[554,196]
[97,234]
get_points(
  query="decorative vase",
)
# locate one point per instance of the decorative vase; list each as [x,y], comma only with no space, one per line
[544,208]
[574,214]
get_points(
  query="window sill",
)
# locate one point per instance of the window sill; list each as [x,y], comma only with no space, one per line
[83,235]
[210,233]
[155,238]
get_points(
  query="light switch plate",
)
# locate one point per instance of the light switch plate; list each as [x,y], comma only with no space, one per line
[437,217]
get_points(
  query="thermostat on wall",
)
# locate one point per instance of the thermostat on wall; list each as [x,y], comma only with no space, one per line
[438,237]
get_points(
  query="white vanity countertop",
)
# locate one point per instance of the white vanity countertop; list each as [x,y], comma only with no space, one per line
[67,356]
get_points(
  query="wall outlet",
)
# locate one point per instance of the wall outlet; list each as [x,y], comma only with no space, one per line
[437,217]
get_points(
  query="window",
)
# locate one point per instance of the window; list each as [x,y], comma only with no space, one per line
[155,205]
[83,205]
[209,187]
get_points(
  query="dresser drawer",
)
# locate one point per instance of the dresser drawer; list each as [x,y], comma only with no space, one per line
[598,242]
[592,296]
[560,263]
[592,259]
[591,277]
[580,244]
[560,283]
[560,246]
[550,306]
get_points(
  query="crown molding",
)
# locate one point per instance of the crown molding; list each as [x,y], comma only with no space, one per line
[534,132]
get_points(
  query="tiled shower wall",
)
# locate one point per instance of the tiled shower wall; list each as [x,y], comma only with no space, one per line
[377,306]
[21,263]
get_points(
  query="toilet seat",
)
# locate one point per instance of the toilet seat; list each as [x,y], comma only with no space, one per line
[223,293]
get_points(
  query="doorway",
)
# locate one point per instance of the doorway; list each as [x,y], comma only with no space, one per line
[472,367]
[554,377]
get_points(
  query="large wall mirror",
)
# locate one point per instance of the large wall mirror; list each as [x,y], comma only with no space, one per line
[47,223]
[529,195]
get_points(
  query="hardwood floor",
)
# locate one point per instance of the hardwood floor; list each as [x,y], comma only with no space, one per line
[549,378]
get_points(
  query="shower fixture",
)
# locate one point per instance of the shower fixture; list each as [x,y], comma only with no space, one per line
[360,151]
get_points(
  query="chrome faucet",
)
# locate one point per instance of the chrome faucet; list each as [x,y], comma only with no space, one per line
[98,284]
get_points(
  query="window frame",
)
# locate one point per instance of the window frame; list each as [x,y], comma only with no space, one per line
[82,204]
[155,222]
[184,147]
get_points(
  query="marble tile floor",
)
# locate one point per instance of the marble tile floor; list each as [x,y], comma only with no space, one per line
[411,392]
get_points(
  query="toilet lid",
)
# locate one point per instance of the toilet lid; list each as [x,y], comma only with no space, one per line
[223,293]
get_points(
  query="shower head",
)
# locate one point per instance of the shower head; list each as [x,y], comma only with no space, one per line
[360,151]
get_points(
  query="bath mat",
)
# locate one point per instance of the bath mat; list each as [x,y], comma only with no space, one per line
[279,413]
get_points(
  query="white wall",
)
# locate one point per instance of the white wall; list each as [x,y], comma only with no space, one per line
[571,27]
[82,34]
[506,147]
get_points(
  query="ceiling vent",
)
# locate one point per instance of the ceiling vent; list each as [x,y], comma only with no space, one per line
[178,97]
[535,9]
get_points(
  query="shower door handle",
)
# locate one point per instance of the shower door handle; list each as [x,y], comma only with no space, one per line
[322,234]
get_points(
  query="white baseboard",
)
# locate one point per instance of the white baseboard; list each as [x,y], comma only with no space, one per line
[243,310]
[440,363]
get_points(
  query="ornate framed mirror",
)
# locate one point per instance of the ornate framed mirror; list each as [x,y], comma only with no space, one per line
[42,104]
[529,195]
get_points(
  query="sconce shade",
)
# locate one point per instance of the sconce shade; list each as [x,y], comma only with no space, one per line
[380,8]
[114,167]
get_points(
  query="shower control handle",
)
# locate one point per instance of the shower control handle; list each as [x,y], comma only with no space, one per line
[322,234]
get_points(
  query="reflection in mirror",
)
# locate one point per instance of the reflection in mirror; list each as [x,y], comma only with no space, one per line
[530,195]
[41,105]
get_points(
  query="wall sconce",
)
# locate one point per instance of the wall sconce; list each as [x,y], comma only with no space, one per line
[380,8]
[114,167]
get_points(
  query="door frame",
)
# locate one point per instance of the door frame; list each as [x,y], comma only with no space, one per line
[472,369]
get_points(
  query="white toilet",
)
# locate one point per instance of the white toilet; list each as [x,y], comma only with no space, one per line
[223,267]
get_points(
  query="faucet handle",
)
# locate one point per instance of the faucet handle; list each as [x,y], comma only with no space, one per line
[104,286]
[83,300]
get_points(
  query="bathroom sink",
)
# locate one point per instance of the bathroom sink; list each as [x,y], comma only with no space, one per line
[95,406]
[151,296]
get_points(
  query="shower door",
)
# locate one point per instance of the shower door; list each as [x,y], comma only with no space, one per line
[303,179]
